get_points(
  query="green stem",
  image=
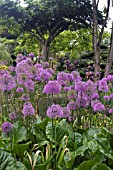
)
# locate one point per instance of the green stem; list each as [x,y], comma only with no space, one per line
[55,145]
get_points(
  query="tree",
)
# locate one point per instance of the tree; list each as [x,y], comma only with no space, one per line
[97,37]
[47,19]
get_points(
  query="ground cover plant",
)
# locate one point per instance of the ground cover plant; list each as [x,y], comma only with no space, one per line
[54,120]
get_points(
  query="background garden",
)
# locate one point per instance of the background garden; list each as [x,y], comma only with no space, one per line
[56,85]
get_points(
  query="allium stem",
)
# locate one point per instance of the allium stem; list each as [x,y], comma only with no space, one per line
[55,145]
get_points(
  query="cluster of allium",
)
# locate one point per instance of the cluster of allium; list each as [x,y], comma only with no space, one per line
[56,111]
[7,82]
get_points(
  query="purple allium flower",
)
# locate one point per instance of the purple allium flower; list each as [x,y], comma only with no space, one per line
[29,62]
[11,68]
[45,64]
[103,86]
[25,97]
[45,75]
[62,76]
[19,58]
[13,116]
[111,96]
[95,96]
[72,105]
[55,111]
[52,87]
[7,83]
[21,78]
[106,98]
[31,55]
[99,107]
[110,111]
[69,77]
[72,95]
[50,58]
[110,78]
[38,65]
[81,102]
[29,84]
[66,89]
[6,127]
[80,86]
[66,112]
[19,90]
[76,76]
[28,109]
[50,70]
[94,102]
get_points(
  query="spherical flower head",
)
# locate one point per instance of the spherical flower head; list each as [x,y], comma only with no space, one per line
[38,65]
[66,89]
[31,55]
[103,86]
[50,70]
[13,116]
[29,85]
[25,97]
[95,96]
[72,95]
[7,83]
[52,87]
[29,62]
[19,58]
[6,127]
[110,111]
[111,96]
[28,109]
[55,111]
[62,76]
[19,90]
[81,102]
[93,102]
[45,75]
[99,107]
[45,65]
[107,98]
[72,105]
[66,112]
[110,78]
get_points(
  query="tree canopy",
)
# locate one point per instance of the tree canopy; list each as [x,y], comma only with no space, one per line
[47,19]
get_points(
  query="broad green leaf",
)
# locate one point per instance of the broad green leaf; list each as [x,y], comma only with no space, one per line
[86,165]
[39,131]
[7,162]
[19,133]
[74,140]
[100,166]
[61,131]
[20,166]
[19,149]
[100,157]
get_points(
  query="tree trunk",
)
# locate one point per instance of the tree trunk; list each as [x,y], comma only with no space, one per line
[46,49]
[95,39]
[110,56]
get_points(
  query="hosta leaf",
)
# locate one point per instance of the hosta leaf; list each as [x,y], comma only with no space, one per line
[7,162]
[61,131]
[39,132]
[100,166]
[19,149]
[100,157]
[19,133]
[20,166]
[86,165]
